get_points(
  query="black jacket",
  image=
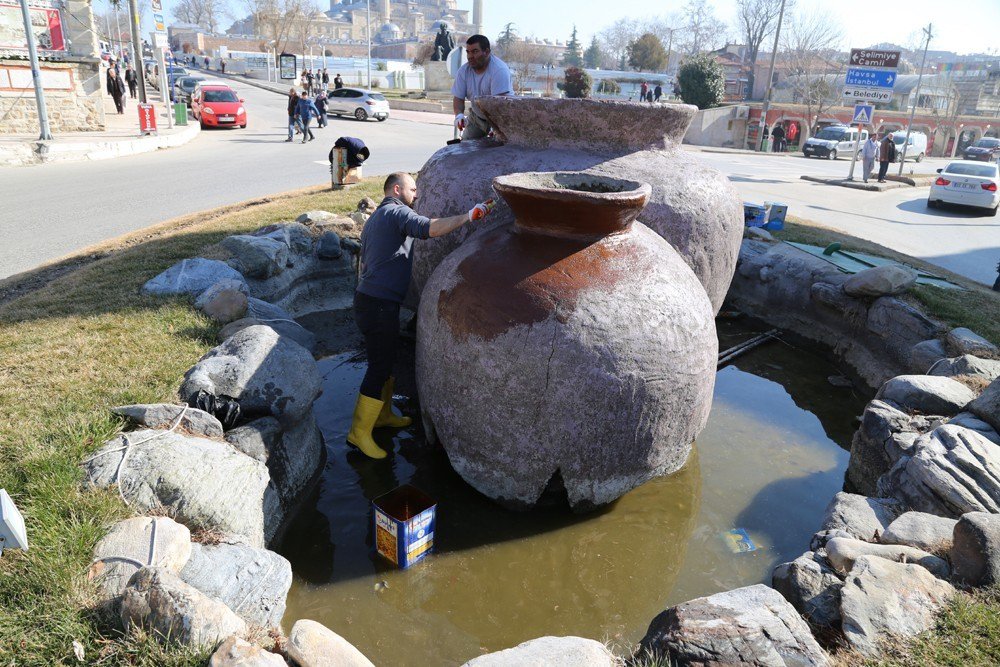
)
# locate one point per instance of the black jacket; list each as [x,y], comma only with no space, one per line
[116,86]
[292,103]
[131,77]
[357,152]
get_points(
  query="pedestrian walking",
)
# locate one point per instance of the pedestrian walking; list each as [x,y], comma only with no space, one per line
[309,81]
[116,88]
[222,65]
[868,154]
[321,106]
[779,138]
[886,154]
[643,89]
[325,80]
[306,109]
[386,264]
[657,93]
[132,80]
[293,110]
[338,83]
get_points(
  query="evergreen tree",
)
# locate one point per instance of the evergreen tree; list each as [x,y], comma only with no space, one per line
[576,83]
[647,54]
[573,56]
[702,81]
[593,57]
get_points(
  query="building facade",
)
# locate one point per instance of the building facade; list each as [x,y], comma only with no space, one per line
[70,64]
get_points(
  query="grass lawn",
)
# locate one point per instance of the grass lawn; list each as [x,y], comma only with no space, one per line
[70,350]
[76,338]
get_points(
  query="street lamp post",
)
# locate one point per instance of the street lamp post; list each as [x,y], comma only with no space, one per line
[137,51]
[36,75]
[368,29]
[916,97]
[770,77]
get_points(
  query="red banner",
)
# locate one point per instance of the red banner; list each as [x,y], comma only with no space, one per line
[46,24]
[147,119]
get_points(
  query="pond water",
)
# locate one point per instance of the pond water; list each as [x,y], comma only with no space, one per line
[773,454]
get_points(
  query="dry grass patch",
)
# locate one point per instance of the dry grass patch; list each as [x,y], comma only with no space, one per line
[76,338]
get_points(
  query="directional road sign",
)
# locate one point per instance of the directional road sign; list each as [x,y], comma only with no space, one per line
[872,78]
[867,94]
[158,20]
[157,6]
[862,114]
[874,58]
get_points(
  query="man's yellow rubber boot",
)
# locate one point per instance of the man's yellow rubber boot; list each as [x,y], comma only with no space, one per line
[387,417]
[365,413]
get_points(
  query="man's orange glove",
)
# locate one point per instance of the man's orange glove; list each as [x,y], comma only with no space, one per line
[480,211]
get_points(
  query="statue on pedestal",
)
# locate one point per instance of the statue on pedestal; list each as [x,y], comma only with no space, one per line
[444,42]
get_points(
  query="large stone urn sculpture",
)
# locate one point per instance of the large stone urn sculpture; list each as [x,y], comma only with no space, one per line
[573,347]
[692,206]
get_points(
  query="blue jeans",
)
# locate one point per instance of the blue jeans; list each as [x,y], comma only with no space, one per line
[293,122]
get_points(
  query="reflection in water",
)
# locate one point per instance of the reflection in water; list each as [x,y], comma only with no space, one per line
[499,578]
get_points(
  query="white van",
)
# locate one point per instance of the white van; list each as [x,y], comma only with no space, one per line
[833,141]
[916,149]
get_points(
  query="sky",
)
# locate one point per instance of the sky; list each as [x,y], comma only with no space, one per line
[975,27]
[962,26]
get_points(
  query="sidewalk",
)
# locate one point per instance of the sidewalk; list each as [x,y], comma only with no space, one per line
[119,138]
[736,151]
[893,182]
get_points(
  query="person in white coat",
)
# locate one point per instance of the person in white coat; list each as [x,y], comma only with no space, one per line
[869,152]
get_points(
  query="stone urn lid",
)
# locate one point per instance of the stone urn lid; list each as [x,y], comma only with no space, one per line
[572,203]
[602,126]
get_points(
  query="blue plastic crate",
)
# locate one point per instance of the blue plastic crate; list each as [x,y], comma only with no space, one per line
[776,212]
[754,215]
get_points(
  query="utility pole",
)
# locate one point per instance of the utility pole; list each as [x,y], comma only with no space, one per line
[368,26]
[36,75]
[137,67]
[916,97]
[770,78]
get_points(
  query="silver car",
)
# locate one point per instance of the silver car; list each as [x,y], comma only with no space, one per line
[357,102]
[184,87]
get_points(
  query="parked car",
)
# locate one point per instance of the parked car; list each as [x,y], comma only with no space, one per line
[967,183]
[986,149]
[184,87]
[833,141]
[217,105]
[173,72]
[357,102]
[916,145]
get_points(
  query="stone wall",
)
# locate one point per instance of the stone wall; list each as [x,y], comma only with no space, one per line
[72,97]
[716,127]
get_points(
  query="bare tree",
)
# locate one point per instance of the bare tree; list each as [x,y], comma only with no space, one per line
[523,56]
[204,13]
[281,21]
[617,37]
[815,67]
[703,31]
[757,19]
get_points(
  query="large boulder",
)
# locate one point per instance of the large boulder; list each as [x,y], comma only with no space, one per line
[967,364]
[925,354]
[882,601]
[289,328]
[813,588]
[294,235]
[888,279]
[754,625]
[965,341]
[862,517]
[206,483]
[885,435]
[224,301]
[929,394]
[257,257]
[894,319]
[256,439]
[550,652]
[159,601]
[165,415]
[951,471]
[843,554]
[136,543]
[235,652]
[974,423]
[329,246]
[191,276]
[975,554]
[310,644]
[267,373]
[987,406]
[252,582]
[920,530]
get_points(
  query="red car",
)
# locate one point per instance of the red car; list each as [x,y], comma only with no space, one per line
[218,106]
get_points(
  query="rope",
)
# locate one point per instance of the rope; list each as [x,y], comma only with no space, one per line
[135,561]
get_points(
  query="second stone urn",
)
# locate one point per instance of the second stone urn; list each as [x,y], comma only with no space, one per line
[691,205]
[573,349]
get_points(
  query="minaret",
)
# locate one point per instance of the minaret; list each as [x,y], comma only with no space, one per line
[477,16]
[383,8]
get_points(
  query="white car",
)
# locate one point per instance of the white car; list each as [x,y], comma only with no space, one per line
[968,183]
[362,104]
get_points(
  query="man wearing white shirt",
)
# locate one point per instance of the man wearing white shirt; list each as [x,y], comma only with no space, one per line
[868,154]
[484,74]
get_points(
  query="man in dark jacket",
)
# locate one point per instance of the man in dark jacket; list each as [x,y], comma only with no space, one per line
[293,109]
[116,88]
[886,154]
[132,80]
[321,107]
[778,137]
[306,110]
[386,264]
[338,83]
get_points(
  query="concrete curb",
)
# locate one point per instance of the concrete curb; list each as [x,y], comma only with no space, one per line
[856,185]
[737,151]
[43,152]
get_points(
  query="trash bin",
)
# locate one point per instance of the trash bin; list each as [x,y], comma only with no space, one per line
[180,114]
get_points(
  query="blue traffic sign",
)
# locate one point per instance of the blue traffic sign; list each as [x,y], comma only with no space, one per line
[874,78]
[862,114]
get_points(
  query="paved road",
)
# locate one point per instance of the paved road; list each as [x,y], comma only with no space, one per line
[51,210]
[964,241]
